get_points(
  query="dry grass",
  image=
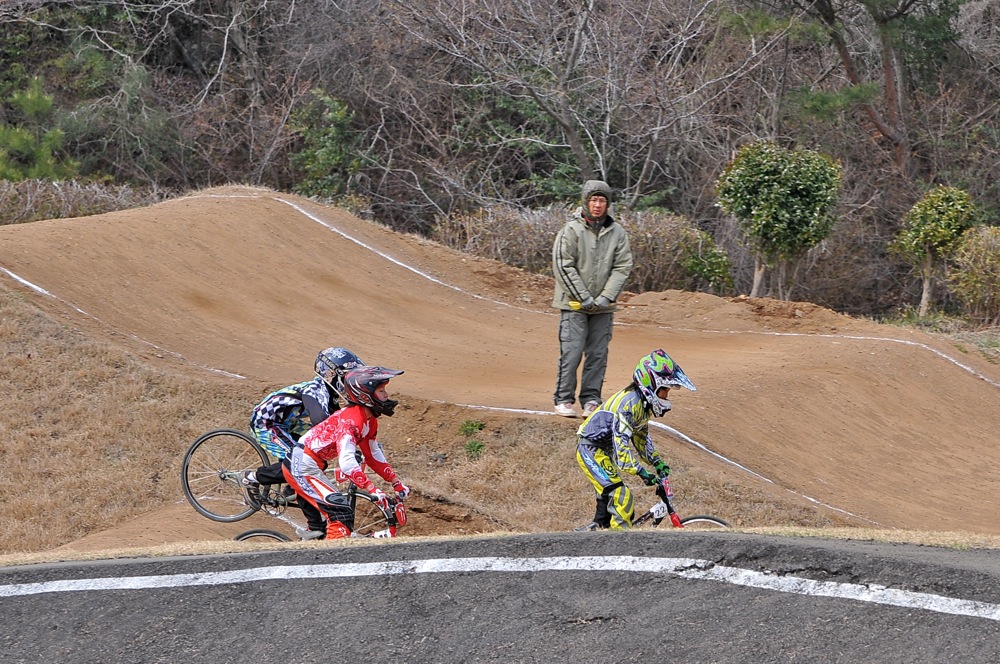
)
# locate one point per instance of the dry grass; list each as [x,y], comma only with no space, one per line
[527,479]
[32,200]
[94,437]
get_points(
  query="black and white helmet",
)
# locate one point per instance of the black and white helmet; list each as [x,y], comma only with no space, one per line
[333,363]
[361,384]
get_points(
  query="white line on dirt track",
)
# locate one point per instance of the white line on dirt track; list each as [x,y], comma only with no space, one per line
[688,568]
[405,266]
[42,291]
[687,439]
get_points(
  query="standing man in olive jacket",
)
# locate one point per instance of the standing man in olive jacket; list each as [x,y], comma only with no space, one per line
[591,261]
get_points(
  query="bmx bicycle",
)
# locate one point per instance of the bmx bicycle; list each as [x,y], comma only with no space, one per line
[664,509]
[214,465]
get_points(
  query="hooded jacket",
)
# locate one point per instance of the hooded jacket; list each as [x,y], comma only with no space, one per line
[590,260]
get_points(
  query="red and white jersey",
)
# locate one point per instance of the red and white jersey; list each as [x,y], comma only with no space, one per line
[340,437]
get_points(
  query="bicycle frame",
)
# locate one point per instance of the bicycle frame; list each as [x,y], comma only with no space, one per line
[211,478]
[664,508]
[275,505]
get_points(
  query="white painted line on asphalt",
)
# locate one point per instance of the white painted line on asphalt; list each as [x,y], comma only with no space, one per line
[687,568]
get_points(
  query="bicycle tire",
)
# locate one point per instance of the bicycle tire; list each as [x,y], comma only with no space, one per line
[370,520]
[704,522]
[210,474]
[263,533]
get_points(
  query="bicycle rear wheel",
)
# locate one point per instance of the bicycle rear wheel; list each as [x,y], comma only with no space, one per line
[370,520]
[211,473]
[704,522]
[263,533]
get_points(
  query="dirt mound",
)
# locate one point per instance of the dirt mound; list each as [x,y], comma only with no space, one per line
[739,314]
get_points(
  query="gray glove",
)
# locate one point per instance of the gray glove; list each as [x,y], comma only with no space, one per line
[602,303]
[587,305]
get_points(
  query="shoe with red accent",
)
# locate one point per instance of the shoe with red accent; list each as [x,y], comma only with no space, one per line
[589,409]
[251,488]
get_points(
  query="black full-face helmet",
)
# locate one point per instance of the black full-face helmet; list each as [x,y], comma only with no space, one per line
[361,384]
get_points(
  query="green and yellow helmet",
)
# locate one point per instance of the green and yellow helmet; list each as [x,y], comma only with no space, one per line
[658,370]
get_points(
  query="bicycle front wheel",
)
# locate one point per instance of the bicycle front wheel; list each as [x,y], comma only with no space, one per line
[704,522]
[211,473]
[370,520]
[263,533]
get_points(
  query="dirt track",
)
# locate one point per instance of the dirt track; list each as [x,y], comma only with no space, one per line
[896,427]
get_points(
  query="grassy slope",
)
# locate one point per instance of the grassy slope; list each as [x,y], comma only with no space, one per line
[97,437]
[92,436]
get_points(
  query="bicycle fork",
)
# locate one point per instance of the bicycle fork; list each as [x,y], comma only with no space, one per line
[665,508]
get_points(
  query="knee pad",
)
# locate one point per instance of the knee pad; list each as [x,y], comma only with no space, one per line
[621,507]
[337,508]
[336,530]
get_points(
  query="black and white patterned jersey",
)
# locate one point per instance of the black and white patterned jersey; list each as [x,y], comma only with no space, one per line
[295,409]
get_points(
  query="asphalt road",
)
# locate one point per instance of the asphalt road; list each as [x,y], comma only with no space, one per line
[573,597]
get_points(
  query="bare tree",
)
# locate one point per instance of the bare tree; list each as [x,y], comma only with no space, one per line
[181,90]
[616,82]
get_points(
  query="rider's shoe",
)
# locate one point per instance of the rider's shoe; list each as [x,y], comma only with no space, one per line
[309,534]
[251,488]
[593,525]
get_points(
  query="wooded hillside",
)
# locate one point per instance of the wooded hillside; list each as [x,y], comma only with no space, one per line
[416,111]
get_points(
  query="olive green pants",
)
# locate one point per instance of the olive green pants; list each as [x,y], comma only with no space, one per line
[585,337]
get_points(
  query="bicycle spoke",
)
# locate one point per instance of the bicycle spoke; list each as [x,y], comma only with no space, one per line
[369,518]
[211,473]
